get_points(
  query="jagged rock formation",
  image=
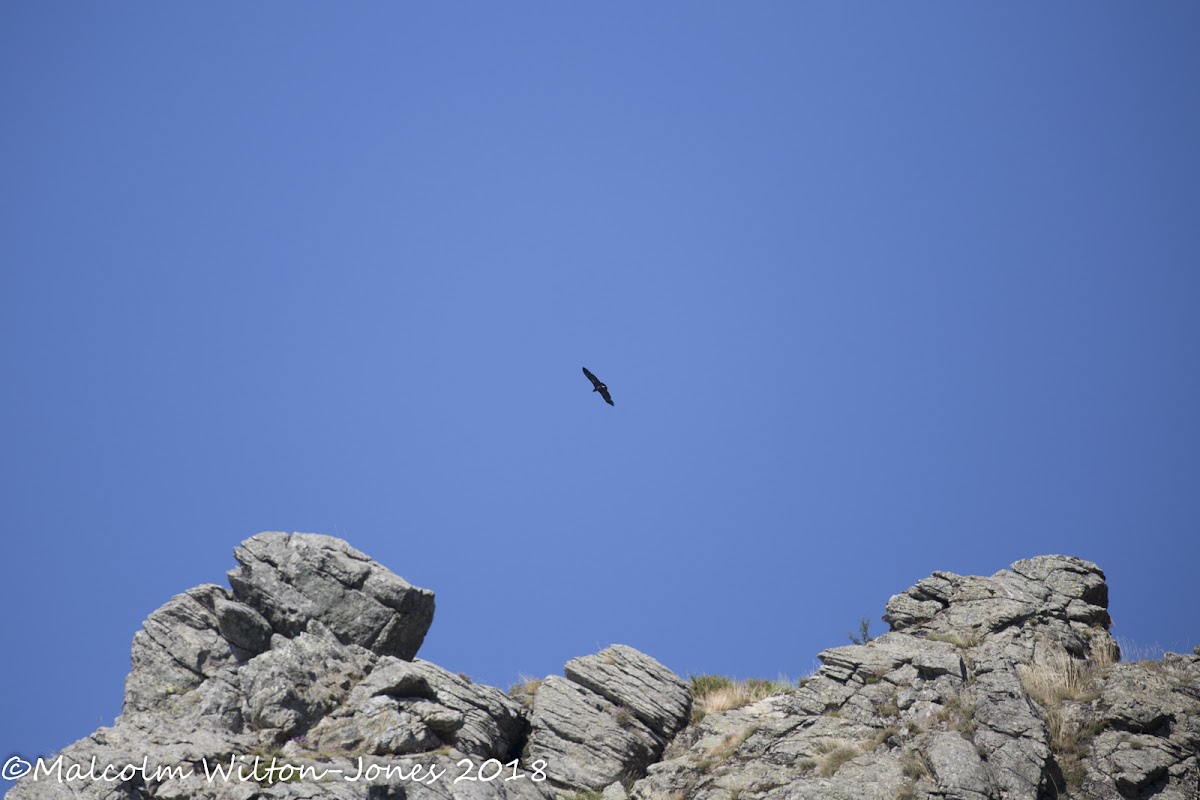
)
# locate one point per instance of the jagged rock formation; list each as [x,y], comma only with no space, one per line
[309,661]
[301,681]
[999,688]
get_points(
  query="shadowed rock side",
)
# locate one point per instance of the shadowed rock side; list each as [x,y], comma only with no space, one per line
[999,687]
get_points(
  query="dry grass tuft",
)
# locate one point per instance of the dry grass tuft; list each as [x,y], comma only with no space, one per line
[959,640]
[884,734]
[1133,651]
[915,765]
[834,759]
[725,748]
[524,690]
[1058,679]
[1070,743]
[624,717]
[1104,652]
[712,693]
[735,696]
[1059,676]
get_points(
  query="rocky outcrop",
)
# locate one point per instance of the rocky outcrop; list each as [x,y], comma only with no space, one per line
[302,681]
[999,687]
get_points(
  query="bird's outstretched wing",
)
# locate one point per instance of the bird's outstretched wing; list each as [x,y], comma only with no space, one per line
[599,387]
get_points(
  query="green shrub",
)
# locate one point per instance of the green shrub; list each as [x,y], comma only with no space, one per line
[864,632]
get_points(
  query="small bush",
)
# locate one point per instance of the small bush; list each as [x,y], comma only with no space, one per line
[864,632]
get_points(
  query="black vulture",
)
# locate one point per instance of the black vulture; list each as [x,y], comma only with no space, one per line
[599,387]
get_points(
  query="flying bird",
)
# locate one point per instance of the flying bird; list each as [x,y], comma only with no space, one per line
[599,387]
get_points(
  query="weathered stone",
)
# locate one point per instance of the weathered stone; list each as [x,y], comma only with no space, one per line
[1137,768]
[242,626]
[179,647]
[957,768]
[936,708]
[986,688]
[634,681]
[475,719]
[290,687]
[291,580]
[587,737]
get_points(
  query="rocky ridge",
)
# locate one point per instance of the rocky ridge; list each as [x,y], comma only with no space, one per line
[301,681]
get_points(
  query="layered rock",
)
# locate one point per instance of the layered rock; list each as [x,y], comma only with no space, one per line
[985,688]
[608,720]
[999,687]
[292,580]
[309,663]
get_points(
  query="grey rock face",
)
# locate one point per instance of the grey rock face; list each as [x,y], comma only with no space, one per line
[309,663]
[998,687]
[179,648]
[635,681]
[609,719]
[291,580]
[985,688]
[287,689]
[1148,716]
[957,768]
[416,706]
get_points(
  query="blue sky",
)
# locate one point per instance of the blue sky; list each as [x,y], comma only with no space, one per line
[879,289]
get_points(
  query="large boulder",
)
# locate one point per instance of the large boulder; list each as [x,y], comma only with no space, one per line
[291,580]
[608,719]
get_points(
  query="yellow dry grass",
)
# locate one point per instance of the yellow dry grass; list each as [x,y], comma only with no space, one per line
[1058,676]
